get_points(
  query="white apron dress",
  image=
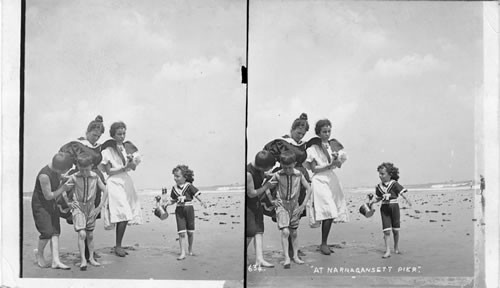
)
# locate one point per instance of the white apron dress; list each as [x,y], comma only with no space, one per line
[327,199]
[123,202]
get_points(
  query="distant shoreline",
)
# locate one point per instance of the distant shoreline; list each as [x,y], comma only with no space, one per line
[239,189]
[149,192]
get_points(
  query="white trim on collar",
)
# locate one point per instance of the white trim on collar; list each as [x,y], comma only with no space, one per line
[292,141]
[87,143]
[183,189]
[386,188]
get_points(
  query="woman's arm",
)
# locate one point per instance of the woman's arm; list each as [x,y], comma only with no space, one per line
[111,170]
[105,165]
[315,168]
[48,194]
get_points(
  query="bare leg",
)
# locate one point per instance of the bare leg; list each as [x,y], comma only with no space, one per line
[295,240]
[40,259]
[387,235]
[190,243]
[82,235]
[395,234]
[90,242]
[182,244]
[285,233]
[259,253]
[120,232]
[249,239]
[54,246]
[290,246]
[87,253]
[326,225]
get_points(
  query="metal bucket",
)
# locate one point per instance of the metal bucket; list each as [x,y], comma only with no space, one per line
[161,212]
[366,210]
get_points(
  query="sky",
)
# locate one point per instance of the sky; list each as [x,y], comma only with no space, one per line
[169,69]
[399,80]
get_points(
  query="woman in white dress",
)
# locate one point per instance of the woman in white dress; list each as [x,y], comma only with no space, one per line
[328,200]
[123,205]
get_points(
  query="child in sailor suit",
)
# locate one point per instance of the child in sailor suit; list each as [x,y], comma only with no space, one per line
[388,192]
[183,194]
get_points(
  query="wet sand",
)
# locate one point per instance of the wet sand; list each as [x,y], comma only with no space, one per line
[153,246]
[436,241]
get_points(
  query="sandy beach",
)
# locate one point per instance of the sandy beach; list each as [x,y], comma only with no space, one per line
[153,246]
[436,241]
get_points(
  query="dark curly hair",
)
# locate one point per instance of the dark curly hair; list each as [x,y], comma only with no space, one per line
[301,122]
[186,172]
[320,124]
[96,124]
[115,126]
[391,170]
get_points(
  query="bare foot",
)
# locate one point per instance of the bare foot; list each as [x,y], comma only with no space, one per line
[93,262]
[264,263]
[40,260]
[387,255]
[181,257]
[60,265]
[297,260]
[120,252]
[286,263]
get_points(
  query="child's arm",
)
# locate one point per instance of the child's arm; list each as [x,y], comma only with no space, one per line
[47,192]
[251,191]
[375,199]
[308,193]
[169,201]
[172,199]
[72,203]
[104,189]
[195,194]
[272,183]
[404,197]
[202,203]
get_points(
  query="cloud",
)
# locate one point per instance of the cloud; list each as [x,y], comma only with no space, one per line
[197,68]
[407,66]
